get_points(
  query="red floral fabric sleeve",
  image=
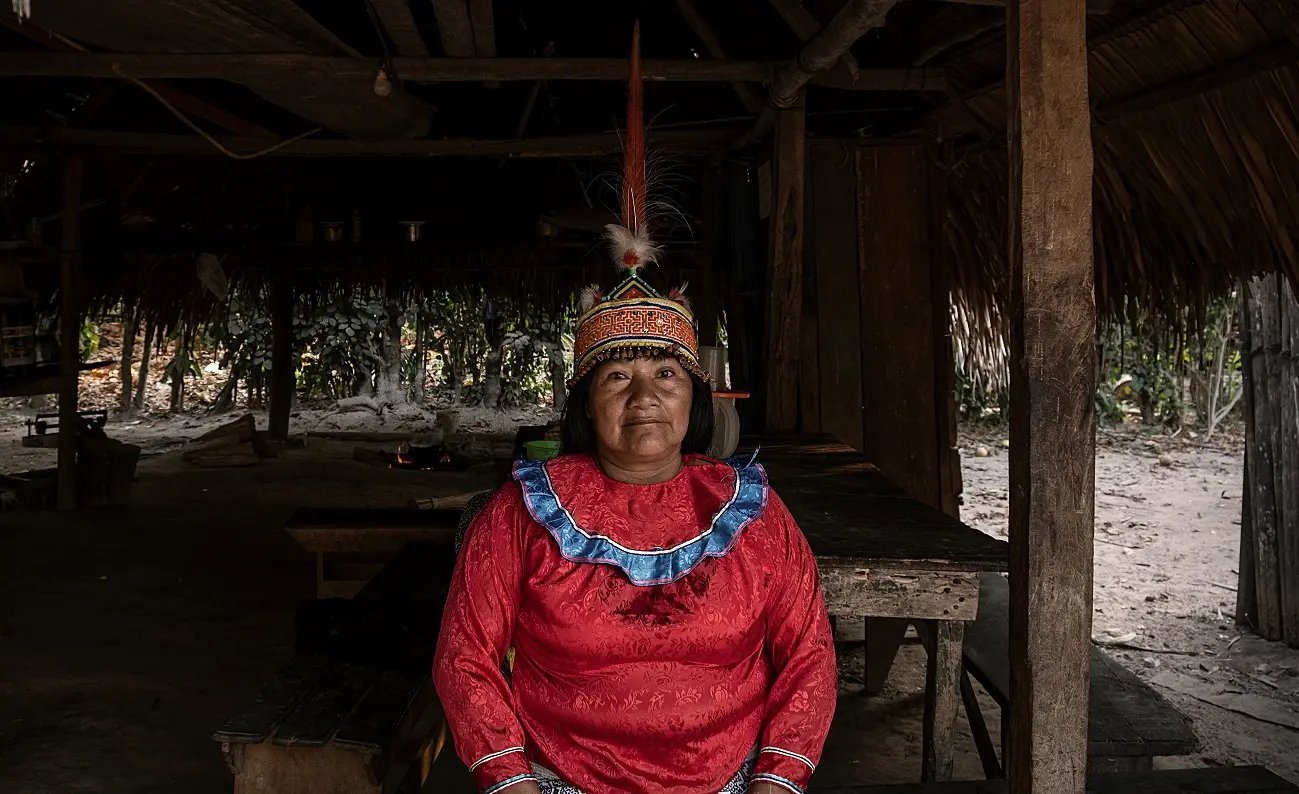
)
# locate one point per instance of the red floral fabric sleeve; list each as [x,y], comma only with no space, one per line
[800,646]
[477,624]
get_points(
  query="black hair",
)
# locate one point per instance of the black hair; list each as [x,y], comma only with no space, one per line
[577,431]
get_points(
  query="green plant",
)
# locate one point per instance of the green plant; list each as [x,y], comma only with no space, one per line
[89,339]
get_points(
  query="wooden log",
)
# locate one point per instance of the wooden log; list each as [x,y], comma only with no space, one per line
[69,332]
[1263,335]
[851,23]
[806,26]
[1053,384]
[240,67]
[785,270]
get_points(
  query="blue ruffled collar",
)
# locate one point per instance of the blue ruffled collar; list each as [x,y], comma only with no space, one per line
[646,567]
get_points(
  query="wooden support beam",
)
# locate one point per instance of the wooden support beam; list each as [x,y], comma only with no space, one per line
[480,18]
[713,46]
[397,20]
[1093,6]
[484,25]
[69,333]
[851,23]
[179,99]
[454,27]
[1141,21]
[785,268]
[1276,55]
[242,67]
[806,26]
[598,145]
[1053,386]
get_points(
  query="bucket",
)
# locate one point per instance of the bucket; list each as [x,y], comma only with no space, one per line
[541,450]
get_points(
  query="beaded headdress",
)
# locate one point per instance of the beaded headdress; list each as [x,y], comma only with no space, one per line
[633,320]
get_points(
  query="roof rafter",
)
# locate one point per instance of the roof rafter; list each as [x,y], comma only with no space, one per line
[570,146]
[238,67]
[806,26]
[454,27]
[396,19]
[713,45]
[221,117]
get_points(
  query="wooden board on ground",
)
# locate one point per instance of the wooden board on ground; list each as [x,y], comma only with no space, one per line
[1127,718]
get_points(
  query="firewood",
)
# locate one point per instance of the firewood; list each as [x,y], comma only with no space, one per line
[240,431]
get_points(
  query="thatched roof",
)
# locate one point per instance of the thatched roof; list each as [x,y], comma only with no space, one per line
[1196,130]
[1196,137]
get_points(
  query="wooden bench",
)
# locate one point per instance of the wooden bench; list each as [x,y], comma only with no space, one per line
[1216,780]
[355,711]
[352,544]
[1129,723]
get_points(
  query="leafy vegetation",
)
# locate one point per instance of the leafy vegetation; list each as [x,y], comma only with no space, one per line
[1149,368]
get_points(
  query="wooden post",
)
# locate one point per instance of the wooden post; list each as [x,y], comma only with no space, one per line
[1053,382]
[69,333]
[785,270]
[283,375]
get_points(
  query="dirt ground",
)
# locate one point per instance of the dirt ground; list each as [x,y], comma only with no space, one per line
[128,635]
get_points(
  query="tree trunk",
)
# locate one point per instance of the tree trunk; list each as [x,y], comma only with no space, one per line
[226,399]
[389,382]
[150,330]
[421,370]
[495,357]
[558,388]
[130,328]
[177,386]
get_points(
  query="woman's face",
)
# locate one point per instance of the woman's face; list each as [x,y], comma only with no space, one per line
[640,408]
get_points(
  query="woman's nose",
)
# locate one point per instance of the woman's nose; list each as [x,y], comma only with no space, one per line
[642,392]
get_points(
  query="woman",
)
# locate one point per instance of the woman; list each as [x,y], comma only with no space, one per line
[663,609]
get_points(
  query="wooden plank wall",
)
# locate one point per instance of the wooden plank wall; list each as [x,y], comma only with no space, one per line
[881,313]
[1268,593]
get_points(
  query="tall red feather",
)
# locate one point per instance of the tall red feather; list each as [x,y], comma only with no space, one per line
[634,215]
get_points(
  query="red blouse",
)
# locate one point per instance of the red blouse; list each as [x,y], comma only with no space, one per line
[661,633]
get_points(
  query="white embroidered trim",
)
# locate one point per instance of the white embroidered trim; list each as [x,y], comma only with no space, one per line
[493,757]
[789,754]
[767,777]
[510,782]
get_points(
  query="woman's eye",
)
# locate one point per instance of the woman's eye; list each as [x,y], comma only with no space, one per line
[667,372]
[617,376]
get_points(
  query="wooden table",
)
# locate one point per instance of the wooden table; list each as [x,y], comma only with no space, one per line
[352,544]
[891,559]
